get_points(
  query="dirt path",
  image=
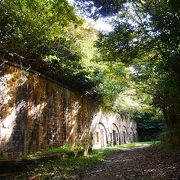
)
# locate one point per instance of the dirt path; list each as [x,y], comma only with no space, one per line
[138,163]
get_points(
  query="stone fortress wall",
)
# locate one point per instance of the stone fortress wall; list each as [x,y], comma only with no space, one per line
[109,129]
[37,112]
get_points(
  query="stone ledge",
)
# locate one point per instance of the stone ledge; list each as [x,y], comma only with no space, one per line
[9,167]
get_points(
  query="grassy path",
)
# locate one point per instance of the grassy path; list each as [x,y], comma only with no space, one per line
[129,161]
[137,163]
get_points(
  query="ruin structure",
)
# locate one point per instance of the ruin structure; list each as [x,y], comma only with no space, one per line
[110,129]
[37,112]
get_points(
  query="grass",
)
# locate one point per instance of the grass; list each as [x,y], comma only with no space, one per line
[67,168]
[54,150]
[138,144]
[72,167]
[169,148]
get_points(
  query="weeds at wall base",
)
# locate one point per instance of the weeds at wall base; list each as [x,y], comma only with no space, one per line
[70,167]
[169,148]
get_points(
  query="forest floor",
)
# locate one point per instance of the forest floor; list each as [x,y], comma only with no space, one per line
[137,163]
[134,161]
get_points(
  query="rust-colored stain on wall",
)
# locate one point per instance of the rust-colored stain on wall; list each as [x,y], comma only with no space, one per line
[36,113]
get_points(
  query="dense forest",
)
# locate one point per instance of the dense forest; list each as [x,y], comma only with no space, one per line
[133,70]
[146,38]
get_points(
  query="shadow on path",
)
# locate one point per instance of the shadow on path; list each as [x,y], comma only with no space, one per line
[137,163]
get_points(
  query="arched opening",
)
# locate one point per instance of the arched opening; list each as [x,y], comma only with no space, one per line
[115,134]
[101,136]
[124,135]
[132,135]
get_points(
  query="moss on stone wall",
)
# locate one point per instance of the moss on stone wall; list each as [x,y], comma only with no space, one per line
[37,113]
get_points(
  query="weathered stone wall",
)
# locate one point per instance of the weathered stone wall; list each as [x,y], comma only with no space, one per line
[108,129]
[36,112]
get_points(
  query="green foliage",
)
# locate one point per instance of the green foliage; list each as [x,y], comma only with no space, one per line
[150,124]
[55,150]
[55,42]
[146,37]
[67,168]
[62,149]
[113,79]
[119,44]
[48,37]
[127,102]
[168,135]
[103,8]
[73,167]
[29,27]
[164,146]
[139,144]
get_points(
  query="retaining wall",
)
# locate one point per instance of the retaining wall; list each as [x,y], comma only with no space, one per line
[36,112]
[109,129]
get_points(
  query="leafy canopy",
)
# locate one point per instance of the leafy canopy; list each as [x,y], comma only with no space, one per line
[146,38]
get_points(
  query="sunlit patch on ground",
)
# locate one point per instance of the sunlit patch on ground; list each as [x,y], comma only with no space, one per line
[112,163]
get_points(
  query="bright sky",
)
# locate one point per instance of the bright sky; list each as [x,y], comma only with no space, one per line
[100,24]
[71,1]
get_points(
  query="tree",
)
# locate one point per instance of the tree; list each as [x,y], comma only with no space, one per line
[29,27]
[40,34]
[146,37]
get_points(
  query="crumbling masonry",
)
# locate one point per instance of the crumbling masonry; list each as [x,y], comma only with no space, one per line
[37,112]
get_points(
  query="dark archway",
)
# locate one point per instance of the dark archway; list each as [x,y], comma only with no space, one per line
[132,135]
[100,135]
[103,139]
[124,134]
[115,134]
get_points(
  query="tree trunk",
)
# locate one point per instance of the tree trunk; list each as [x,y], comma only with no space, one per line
[172,116]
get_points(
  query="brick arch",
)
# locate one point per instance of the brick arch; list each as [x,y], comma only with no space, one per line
[133,135]
[115,134]
[100,123]
[101,139]
[124,134]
